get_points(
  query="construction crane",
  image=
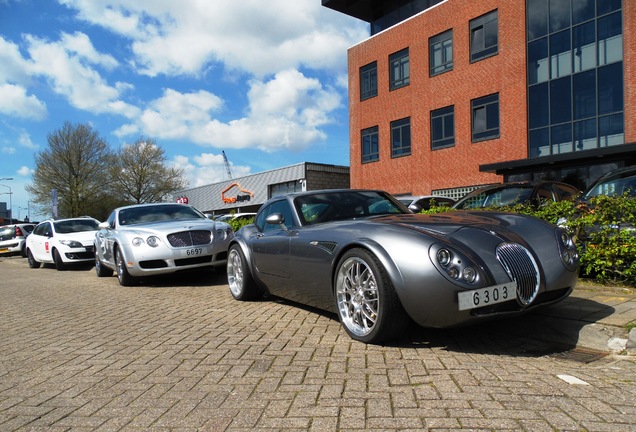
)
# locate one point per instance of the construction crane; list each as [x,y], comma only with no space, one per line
[227,165]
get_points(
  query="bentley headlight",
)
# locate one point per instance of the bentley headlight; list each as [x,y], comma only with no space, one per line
[569,254]
[455,266]
[137,241]
[71,243]
[153,241]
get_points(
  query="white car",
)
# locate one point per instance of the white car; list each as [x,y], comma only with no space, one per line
[62,242]
[152,239]
[13,238]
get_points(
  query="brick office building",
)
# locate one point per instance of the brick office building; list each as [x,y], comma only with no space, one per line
[449,94]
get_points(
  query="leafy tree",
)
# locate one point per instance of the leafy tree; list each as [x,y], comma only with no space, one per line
[141,174]
[76,165]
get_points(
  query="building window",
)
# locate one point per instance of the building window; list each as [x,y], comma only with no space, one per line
[443,127]
[485,117]
[441,53]
[399,73]
[401,137]
[575,75]
[369,81]
[483,37]
[370,145]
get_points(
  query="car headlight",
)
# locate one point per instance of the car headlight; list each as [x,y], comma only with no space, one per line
[455,266]
[567,248]
[137,241]
[153,241]
[71,243]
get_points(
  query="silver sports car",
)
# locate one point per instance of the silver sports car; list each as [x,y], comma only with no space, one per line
[366,257]
[151,239]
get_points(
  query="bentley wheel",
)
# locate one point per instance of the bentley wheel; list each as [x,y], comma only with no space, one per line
[32,262]
[125,279]
[369,309]
[239,278]
[57,260]
[101,269]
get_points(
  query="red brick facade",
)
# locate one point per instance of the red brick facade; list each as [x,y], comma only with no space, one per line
[426,170]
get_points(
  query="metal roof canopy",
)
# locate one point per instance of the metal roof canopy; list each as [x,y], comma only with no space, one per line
[622,152]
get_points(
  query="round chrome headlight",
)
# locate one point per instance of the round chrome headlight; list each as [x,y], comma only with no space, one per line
[137,241]
[153,241]
[444,257]
[469,274]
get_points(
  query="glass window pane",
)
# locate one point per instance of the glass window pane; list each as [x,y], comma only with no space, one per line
[538,67]
[611,130]
[584,46]
[582,10]
[607,6]
[539,106]
[584,93]
[539,142]
[610,88]
[559,14]
[585,135]
[560,54]
[560,101]
[561,137]
[537,15]
[610,39]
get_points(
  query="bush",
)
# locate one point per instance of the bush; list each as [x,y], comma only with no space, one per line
[236,224]
[603,231]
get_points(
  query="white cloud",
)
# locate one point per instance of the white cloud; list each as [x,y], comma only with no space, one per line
[25,171]
[285,112]
[207,168]
[68,66]
[254,36]
[25,141]
[9,150]
[15,102]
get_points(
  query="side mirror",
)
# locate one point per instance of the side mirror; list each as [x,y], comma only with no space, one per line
[276,219]
[103,225]
[415,208]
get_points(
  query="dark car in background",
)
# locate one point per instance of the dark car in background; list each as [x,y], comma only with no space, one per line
[13,238]
[510,194]
[425,202]
[614,183]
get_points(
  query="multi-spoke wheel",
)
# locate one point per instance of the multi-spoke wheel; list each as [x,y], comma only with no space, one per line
[125,279]
[101,269]
[368,306]
[57,260]
[32,262]
[239,278]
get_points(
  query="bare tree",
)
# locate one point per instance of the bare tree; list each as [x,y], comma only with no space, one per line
[76,165]
[141,174]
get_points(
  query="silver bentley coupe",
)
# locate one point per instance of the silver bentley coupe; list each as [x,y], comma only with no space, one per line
[366,257]
[152,239]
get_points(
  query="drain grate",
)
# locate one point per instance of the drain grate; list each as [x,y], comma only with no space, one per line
[581,355]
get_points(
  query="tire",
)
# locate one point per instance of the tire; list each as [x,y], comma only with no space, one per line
[101,269]
[125,279]
[32,262]
[23,251]
[367,304]
[239,277]
[57,260]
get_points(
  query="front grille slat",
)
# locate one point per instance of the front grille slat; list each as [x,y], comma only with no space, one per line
[522,268]
[189,238]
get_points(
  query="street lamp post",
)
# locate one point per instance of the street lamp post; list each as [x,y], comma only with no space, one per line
[10,198]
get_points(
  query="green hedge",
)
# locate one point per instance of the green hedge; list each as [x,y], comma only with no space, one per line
[607,247]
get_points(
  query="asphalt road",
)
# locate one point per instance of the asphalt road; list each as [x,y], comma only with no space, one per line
[179,353]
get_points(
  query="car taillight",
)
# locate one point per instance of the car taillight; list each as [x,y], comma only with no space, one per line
[18,232]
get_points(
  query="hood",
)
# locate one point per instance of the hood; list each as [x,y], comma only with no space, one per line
[170,226]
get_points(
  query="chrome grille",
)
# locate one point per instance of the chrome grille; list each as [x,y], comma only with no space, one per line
[521,267]
[189,238]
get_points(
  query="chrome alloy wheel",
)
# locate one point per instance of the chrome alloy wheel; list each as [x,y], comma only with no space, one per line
[357,296]
[235,275]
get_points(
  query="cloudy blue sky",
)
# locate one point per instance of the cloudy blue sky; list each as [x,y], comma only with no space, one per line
[265,81]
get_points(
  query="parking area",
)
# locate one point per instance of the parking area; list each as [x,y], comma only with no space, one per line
[179,353]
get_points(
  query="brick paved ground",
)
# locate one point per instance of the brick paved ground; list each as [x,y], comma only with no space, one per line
[82,353]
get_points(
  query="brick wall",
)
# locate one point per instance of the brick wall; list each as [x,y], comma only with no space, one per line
[504,73]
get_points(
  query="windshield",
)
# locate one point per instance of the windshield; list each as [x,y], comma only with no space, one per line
[497,197]
[72,226]
[613,187]
[158,213]
[334,206]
